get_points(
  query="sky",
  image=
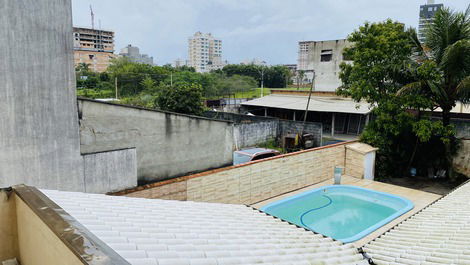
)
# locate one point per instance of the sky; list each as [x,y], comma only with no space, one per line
[264,29]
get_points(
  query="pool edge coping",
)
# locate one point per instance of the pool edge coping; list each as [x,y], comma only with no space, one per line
[409,205]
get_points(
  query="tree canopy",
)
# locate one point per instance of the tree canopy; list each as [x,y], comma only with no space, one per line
[386,63]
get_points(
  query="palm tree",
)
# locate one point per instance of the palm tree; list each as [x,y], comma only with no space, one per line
[447,52]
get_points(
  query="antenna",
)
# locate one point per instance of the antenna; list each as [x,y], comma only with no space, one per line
[92,18]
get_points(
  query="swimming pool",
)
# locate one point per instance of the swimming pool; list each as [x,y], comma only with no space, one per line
[345,213]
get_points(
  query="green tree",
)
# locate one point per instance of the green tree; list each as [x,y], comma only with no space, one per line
[274,76]
[148,84]
[442,63]
[181,98]
[226,86]
[383,63]
[380,53]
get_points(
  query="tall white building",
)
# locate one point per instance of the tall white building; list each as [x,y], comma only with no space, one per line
[205,52]
[426,15]
[133,53]
[322,58]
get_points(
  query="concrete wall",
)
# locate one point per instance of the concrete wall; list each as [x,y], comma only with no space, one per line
[39,127]
[462,128]
[256,181]
[326,73]
[167,144]
[110,171]
[254,130]
[314,128]
[38,122]
[252,134]
[461,160]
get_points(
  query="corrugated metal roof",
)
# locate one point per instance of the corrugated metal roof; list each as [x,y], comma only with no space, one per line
[163,232]
[319,104]
[440,234]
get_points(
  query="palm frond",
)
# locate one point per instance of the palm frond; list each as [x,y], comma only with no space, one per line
[463,90]
[456,59]
[419,53]
[438,91]
[411,88]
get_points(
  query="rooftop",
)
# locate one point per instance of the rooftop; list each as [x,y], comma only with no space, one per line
[319,104]
[146,231]
[439,234]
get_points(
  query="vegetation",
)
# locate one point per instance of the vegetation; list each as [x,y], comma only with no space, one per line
[402,78]
[181,98]
[143,85]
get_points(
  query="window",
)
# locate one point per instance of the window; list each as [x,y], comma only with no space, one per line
[326,55]
[430,9]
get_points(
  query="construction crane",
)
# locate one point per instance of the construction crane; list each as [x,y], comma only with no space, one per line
[92,18]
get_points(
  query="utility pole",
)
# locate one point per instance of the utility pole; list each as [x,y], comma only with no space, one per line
[308,103]
[262,81]
[116,87]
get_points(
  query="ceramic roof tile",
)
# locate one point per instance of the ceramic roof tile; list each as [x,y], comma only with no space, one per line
[440,234]
[160,232]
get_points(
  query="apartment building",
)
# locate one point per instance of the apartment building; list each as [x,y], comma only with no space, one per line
[133,53]
[205,52]
[426,15]
[180,62]
[320,61]
[94,47]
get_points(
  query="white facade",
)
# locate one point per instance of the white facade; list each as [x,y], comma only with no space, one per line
[133,53]
[323,58]
[180,62]
[254,61]
[205,52]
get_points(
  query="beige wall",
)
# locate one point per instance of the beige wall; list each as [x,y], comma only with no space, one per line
[257,181]
[38,245]
[8,231]
[354,163]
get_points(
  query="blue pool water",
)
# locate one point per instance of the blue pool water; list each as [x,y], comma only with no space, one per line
[345,213]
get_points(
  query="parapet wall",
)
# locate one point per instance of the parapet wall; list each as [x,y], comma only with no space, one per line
[167,144]
[255,181]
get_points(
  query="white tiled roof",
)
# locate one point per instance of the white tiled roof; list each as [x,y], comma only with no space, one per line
[162,232]
[440,234]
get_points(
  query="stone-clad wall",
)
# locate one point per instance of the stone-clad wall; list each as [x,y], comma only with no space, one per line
[256,181]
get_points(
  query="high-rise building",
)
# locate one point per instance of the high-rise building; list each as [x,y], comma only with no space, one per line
[426,15]
[180,62]
[205,52]
[133,53]
[94,47]
[322,59]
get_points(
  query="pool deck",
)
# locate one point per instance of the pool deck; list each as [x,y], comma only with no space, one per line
[419,198]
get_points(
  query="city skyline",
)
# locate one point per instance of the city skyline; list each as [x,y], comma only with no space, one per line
[268,30]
